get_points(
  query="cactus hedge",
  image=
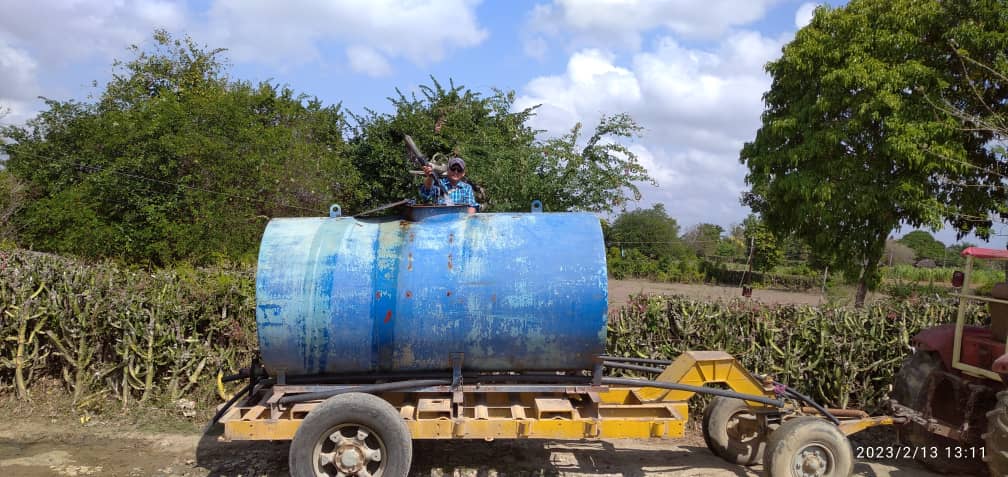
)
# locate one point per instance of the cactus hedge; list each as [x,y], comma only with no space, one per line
[110,332]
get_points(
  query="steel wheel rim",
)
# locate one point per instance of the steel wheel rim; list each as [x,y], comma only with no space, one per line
[741,427]
[813,460]
[349,449]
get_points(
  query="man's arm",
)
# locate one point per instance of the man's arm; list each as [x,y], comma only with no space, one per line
[469,198]
[426,189]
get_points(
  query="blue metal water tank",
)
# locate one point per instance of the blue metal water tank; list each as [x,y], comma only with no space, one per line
[512,291]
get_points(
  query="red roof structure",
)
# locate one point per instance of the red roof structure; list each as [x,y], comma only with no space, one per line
[985,253]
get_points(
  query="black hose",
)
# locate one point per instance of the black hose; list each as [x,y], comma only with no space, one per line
[235,377]
[695,389]
[635,360]
[229,403]
[633,367]
[468,376]
[357,378]
[367,388]
[801,397]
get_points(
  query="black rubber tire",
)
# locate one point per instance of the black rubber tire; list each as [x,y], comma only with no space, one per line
[908,389]
[721,438]
[908,384]
[358,409]
[996,437]
[808,434]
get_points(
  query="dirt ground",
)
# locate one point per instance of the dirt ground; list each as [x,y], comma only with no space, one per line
[46,440]
[37,447]
[620,291]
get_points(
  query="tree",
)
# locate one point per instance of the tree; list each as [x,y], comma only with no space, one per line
[924,245]
[703,239]
[851,146]
[897,253]
[12,199]
[651,231]
[502,153]
[762,244]
[174,161]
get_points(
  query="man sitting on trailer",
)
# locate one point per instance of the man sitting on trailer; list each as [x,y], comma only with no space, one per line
[461,193]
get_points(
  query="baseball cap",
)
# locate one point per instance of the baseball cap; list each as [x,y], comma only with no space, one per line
[456,160]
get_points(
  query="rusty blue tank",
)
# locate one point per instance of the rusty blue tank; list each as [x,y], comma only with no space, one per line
[511,291]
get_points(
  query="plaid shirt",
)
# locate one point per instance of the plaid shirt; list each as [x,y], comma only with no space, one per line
[461,194]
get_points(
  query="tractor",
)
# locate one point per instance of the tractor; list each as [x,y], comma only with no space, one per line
[951,390]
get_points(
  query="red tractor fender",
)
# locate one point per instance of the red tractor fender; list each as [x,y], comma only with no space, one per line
[941,339]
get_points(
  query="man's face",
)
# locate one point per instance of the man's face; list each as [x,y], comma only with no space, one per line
[455,173]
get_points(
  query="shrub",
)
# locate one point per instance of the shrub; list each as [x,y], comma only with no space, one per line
[842,357]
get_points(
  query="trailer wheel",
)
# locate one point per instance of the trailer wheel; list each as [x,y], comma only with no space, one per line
[352,434]
[996,438]
[732,431]
[808,447]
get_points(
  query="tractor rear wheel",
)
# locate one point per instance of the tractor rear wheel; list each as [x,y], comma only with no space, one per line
[910,390]
[996,437]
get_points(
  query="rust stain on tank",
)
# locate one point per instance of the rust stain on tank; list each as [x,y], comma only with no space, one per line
[493,298]
[451,238]
[377,295]
[409,294]
[409,263]
[449,261]
[412,236]
[449,292]
[388,316]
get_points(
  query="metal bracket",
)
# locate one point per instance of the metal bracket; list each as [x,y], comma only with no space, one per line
[536,206]
[456,360]
[597,371]
[335,211]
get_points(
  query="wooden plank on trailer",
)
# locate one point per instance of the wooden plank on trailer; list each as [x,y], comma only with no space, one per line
[554,407]
[433,408]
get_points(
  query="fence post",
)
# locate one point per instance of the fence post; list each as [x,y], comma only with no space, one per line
[825,276]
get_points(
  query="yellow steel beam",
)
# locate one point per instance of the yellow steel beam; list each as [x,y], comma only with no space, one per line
[854,426]
[698,368]
[609,428]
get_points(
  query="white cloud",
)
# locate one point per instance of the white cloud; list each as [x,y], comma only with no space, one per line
[365,60]
[804,14]
[60,31]
[17,68]
[291,32]
[698,106]
[598,23]
[41,37]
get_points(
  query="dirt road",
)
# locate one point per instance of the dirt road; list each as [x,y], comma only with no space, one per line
[37,447]
[620,290]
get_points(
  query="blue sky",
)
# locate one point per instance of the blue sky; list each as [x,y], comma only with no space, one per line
[690,72]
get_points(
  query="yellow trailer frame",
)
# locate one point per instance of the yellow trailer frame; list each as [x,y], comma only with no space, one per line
[539,412]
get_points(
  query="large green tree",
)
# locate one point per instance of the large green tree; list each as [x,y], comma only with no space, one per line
[851,144]
[513,163]
[703,239]
[175,161]
[651,231]
[924,245]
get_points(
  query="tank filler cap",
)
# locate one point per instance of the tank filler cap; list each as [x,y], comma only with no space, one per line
[536,206]
[335,211]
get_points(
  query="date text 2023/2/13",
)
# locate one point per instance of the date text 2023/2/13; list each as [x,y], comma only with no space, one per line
[920,452]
